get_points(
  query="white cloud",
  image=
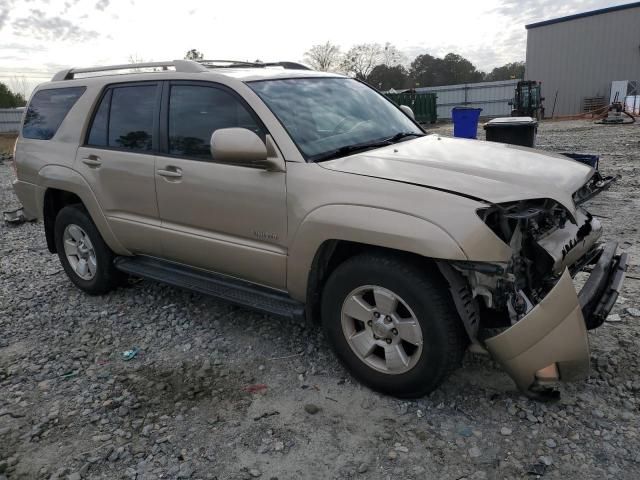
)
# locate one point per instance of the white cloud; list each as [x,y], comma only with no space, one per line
[38,35]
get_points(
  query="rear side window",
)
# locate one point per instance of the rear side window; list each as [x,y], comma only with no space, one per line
[47,110]
[124,118]
[98,133]
[195,112]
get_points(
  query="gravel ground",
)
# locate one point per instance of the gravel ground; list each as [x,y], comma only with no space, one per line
[219,392]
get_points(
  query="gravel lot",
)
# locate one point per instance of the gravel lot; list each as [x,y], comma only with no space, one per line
[219,392]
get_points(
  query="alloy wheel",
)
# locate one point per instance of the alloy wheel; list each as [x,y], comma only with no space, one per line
[80,252]
[381,329]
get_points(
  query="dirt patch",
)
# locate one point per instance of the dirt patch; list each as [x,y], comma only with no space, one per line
[7,142]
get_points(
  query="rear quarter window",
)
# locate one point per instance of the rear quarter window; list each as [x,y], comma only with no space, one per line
[47,110]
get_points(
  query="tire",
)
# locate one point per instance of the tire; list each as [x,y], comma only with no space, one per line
[422,298]
[100,275]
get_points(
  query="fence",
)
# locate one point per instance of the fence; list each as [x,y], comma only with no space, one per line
[492,97]
[10,119]
[422,104]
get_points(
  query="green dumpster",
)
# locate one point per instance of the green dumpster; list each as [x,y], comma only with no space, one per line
[422,104]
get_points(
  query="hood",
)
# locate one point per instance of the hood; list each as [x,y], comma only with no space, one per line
[489,171]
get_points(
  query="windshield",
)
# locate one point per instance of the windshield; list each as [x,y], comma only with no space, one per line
[330,117]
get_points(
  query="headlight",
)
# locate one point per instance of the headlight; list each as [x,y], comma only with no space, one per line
[535,216]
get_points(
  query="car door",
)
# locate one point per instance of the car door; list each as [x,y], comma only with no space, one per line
[118,162]
[220,217]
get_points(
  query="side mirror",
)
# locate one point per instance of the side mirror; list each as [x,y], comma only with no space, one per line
[408,112]
[239,146]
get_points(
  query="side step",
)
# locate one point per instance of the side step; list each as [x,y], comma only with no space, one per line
[225,288]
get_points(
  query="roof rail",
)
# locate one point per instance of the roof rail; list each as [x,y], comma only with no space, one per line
[290,65]
[186,66]
[229,63]
[257,64]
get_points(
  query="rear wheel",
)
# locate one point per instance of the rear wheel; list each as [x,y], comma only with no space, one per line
[85,257]
[392,324]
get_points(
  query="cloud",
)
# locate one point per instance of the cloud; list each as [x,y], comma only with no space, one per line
[4,16]
[5,8]
[524,12]
[23,47]
[68,5]
[41,27]
[102,5]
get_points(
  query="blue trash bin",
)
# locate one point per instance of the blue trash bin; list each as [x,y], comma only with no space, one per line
[465,121]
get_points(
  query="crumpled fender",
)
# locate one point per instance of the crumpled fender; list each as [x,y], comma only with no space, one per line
[367,225]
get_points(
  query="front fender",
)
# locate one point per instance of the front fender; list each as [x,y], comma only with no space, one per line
[67,179]
[367,225]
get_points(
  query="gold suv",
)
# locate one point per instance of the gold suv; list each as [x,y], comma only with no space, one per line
[309,194]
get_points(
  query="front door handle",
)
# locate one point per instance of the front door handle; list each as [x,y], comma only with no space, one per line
[170,172]
[92,160]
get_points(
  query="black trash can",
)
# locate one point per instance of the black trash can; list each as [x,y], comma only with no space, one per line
[513,130]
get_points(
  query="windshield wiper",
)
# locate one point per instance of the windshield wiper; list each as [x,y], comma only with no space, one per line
[400,135]
[359,147]
[348,149]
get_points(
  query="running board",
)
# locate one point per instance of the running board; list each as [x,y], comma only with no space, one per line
[224,288]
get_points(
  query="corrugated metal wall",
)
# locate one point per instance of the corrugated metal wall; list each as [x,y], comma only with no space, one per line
[580,58]
[10,119]
[492,97]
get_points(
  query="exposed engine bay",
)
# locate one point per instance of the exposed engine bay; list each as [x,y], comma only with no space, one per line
[498,301]
[545,239]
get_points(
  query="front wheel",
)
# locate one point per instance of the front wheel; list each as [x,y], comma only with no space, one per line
[392,324]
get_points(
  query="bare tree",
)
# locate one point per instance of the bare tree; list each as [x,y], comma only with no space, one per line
[193,54]
[136,58]
[20,85]
[361,59]
[391,56]
[324,57]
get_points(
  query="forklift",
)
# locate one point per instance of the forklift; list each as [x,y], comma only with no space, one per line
[527,101]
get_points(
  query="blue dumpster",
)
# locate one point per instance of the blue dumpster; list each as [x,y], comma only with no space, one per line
[465,121]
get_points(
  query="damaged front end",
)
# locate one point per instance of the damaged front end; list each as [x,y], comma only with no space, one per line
[526,312]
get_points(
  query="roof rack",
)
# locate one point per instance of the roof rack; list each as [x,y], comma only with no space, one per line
[187,66]
[228,63]
[257,64]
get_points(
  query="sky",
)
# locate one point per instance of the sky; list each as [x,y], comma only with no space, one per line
[40,37]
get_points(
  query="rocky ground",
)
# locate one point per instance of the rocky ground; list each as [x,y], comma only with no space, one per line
[218,392]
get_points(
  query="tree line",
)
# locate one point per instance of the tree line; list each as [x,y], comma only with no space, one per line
[9,99]
[383,66]
[386,67]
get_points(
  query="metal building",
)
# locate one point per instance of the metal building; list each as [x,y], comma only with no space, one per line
[579,56]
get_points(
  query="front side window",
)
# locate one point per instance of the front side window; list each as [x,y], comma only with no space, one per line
[47,110]
[328,117]
[195,112]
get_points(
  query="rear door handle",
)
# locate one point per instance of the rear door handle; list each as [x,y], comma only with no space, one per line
[92,160]
[170,172]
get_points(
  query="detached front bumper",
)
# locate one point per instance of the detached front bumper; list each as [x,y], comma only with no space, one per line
[555,331]
[601,290]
